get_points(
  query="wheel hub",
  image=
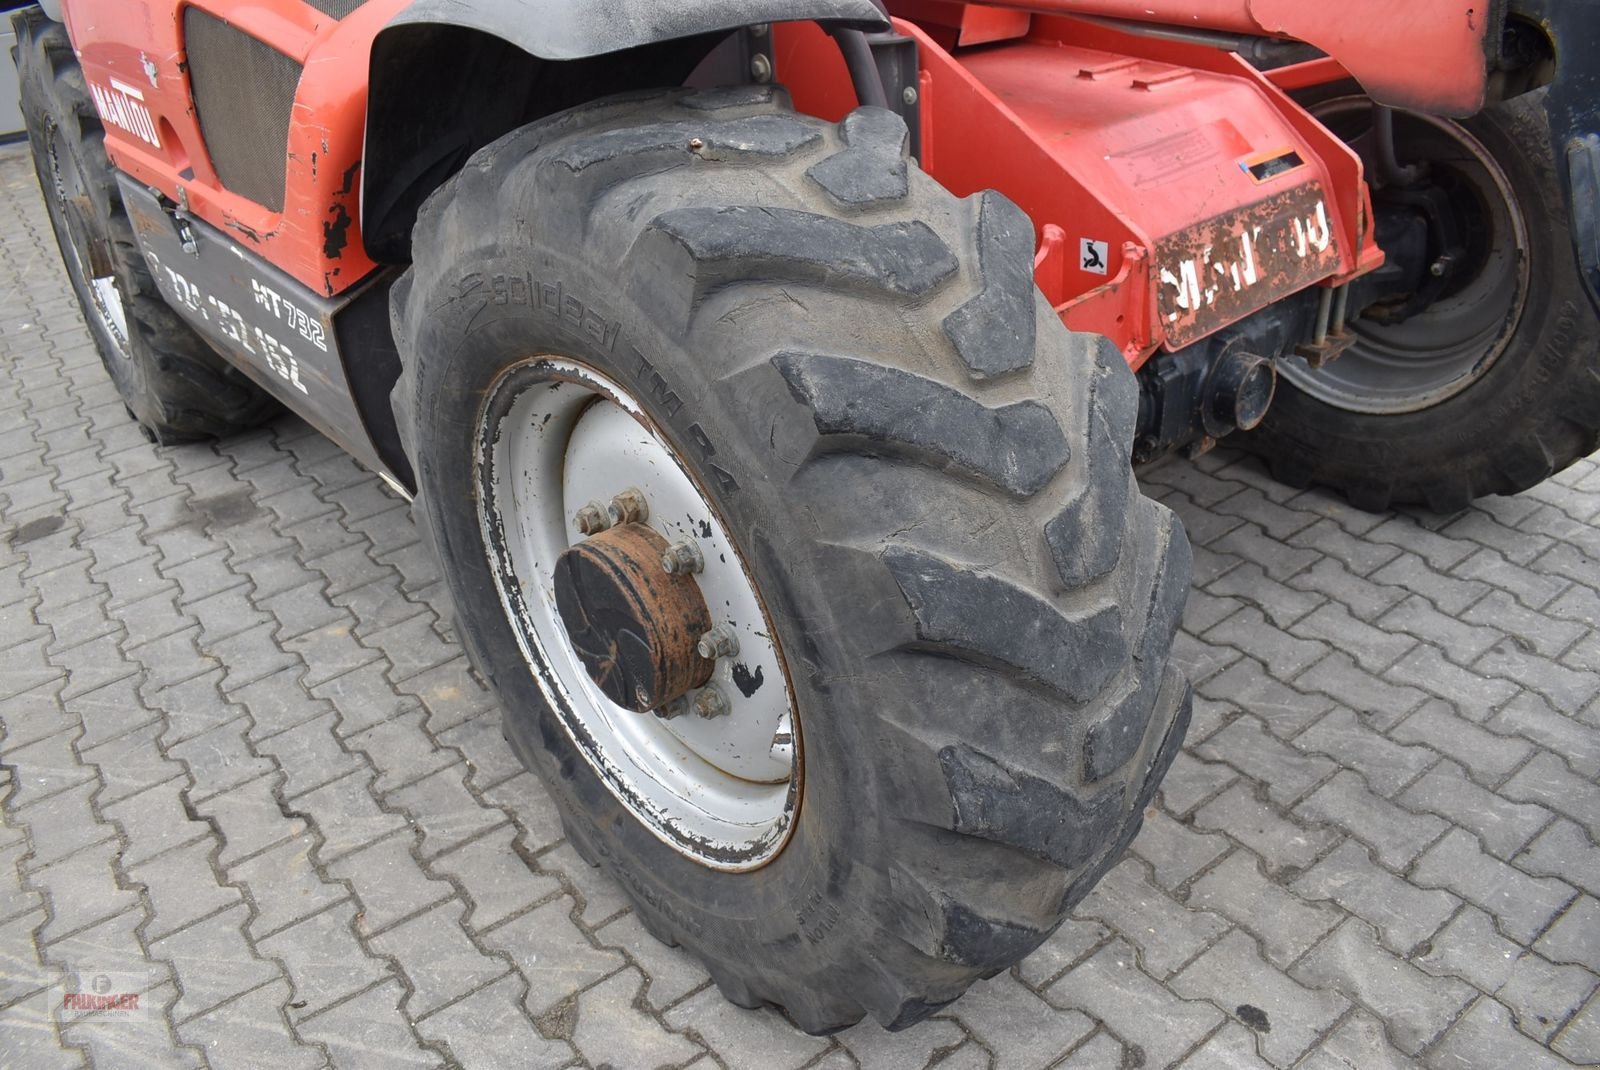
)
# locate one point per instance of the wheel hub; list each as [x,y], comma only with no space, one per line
[634,625]
[640,619]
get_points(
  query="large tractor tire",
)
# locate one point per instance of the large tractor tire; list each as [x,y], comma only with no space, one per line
[173,383]
[1495,386]
[826,391]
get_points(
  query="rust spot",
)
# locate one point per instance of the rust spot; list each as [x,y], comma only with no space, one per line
[633,624]
[1219,271]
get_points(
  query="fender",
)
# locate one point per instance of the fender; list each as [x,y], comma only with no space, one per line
[448,77]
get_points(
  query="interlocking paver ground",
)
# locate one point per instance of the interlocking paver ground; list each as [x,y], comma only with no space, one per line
[243,758]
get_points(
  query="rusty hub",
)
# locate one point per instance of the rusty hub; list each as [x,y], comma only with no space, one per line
[634,626]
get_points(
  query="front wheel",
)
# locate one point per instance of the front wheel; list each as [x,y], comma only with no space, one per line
[798,538]
[1480,372]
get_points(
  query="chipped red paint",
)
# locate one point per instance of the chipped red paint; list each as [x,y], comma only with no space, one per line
[316,238]
[1216,272]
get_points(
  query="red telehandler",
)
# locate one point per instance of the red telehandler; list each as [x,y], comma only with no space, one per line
[767,377]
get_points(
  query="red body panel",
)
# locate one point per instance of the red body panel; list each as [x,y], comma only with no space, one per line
[1428,55]
[136,48]
[1138,152]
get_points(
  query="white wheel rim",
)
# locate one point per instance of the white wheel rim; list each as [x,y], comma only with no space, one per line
[554,436]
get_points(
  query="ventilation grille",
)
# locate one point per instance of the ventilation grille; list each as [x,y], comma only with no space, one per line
[243,96]
[337,8]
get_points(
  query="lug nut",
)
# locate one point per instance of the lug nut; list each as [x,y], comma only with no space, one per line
[629,507]
[592,519]
[683,558]
[709,702]
[719,642]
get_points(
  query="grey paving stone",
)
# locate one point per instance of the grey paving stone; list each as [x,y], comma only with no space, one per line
[670,972]
[1286,773]
[1360,1043]
[1546,780]
[1378,701]
[434,952]
[1531,717]
[389,882]
[1286,924]
[1580,1040]
[1166,933]
[1504,826]
[1575,937]
[1374,648]
[1472,949]
[1404,914]
[1563,850]
[1110,987]
[1018,1026]
[490,1029]
[453,815]
[1176,851]
[1066,947]
[1100,1052]
[1279,841]
[1474,695]
[1485,1039]
[248,1032]
[552,953]
[1386,766]
[610,1029]
[1191,782]
[1286,1017]
[1233,1047]
[741,1037]
[1523,905]
[1397,835]
[1542,995]
[369,1031]
[324,960]
[182,887]
[347,815]
[1417,1007]
[1461,642]
[285,885]
[213,962]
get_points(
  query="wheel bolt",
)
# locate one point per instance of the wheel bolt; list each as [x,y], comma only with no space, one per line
[709,702]
[676,708]
[682,558]
[719,642]
[592,519]
[629,507]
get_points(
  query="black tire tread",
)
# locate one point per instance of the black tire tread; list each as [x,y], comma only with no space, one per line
[846,230]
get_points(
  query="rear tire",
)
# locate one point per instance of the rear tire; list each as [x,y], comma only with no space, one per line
[172,382]
[926,474]
[1519,420]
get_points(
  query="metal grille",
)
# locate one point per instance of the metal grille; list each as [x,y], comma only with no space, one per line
[337,8]
[243,96]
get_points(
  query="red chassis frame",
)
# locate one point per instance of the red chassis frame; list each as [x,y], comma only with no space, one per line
[1197,190]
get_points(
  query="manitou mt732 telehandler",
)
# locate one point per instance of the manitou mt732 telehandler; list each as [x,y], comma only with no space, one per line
[767,377]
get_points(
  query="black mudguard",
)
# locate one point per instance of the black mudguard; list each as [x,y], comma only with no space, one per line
[563,30]
[450,76]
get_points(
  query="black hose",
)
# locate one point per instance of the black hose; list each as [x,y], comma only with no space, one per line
[1388,160]
[862,67]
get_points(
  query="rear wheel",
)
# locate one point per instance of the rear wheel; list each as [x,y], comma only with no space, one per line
[172,382]
[697,330]
[1489,382]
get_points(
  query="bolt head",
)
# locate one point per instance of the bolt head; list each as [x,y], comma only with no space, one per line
[909,96]
[761,69]
[682,558]
[629,507]
[710,702]
[592,519]
[696,144]
[719,642]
